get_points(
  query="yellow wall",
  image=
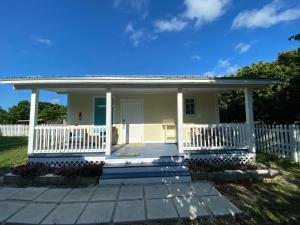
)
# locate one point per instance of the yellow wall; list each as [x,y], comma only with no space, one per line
[158,109]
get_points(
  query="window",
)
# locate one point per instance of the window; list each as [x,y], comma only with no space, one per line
[100,111]
[189,106]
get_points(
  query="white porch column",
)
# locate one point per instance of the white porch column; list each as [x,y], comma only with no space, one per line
[108,122]
[34,103]
[180,120]
[250,119]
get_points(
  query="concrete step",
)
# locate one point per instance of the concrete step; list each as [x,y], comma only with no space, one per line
[146,180]
[150,167]
[144,174]
[139,173]
[137,169]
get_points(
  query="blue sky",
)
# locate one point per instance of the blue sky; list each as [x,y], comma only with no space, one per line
[205,37]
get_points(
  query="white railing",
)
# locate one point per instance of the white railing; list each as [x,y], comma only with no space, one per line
[280,140]
[215,136]
[14,130]
[69,139]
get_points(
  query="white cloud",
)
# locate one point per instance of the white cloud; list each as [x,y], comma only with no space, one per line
[41,40]
[205,11]
[223,68]
[141,7]
[55,101]
[269,15]
[196,57]
[136,36]
[173,24]
[223,63]
[197,12]
[242,47]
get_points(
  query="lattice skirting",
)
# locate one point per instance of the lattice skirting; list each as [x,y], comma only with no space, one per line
[221,159]
[67,160]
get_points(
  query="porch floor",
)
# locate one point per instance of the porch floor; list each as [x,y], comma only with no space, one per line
[153,150]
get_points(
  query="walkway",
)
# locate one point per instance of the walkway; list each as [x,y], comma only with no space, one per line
[112,204]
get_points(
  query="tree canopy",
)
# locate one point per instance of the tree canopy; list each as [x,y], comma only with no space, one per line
[278,103]
[47,111]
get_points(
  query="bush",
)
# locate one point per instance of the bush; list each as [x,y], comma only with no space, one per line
[33,170]
[40,169]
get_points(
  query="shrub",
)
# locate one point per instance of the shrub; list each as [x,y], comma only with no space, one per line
[40,169]
[33,169]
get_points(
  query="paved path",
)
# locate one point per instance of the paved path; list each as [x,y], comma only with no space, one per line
[112,204]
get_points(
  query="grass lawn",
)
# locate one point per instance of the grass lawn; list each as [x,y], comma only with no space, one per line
[13,152]
[272,201]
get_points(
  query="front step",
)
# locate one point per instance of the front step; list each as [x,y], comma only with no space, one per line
[144,173]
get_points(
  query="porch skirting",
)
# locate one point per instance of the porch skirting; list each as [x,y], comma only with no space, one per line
[217,157]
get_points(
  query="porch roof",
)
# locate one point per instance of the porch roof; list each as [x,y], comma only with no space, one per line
[66,84]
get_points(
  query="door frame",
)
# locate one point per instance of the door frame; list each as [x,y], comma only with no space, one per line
[123,137]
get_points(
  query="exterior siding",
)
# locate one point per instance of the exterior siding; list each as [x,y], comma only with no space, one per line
[158,109]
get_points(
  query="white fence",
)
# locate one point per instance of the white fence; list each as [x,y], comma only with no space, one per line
[69,139]
[13,130]
[215,136]
[280,140]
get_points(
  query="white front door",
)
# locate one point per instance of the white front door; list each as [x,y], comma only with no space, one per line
[132,121]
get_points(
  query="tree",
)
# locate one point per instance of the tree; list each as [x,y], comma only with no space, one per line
[278,103]
[20,111]
[4,117]
[47,111]
[296,37]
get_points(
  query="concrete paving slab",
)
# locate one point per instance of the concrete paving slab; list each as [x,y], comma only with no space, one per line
[130,211]
[158,209]
[104,193]
[180,189]
[9,208]
[66,213]
[79,195]
[131,192]
[97,212]
[203,189]
[53,195]
[28,194]
[156,191]
[190,207]
[6,192]
[32,213]
[220,206]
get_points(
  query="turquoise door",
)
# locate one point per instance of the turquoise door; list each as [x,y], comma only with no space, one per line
[100,111]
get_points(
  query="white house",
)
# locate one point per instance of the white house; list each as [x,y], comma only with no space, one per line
[140,118]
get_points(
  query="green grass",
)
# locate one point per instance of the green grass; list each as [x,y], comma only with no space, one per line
[268,202]
[272,201]
[13,152]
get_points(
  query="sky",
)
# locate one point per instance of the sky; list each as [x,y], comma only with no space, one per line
[139,37]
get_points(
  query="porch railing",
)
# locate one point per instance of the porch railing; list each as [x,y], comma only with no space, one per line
[215,136]
[69,139]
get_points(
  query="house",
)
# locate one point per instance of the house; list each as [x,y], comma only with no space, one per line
[140,119]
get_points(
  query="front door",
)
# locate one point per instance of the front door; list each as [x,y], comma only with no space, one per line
[132,121]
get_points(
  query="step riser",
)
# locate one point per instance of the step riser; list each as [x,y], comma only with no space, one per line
[148,180]
[143,169]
